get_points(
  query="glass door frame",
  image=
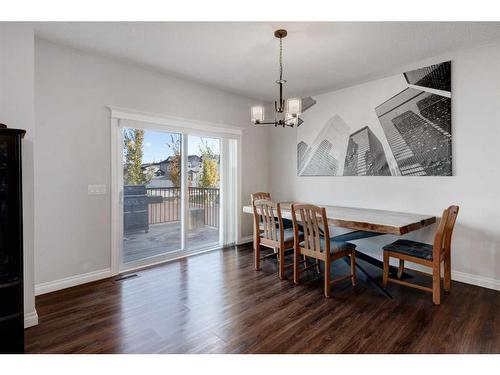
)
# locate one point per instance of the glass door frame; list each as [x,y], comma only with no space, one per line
[152,122]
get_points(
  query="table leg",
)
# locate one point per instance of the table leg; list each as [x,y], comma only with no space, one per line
[358,235]
[377,263]
[371,279]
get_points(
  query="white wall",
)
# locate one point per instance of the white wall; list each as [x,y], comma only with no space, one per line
[16,110]
[72,90]
[475,185]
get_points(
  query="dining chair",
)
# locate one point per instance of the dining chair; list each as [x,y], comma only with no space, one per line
[267,216]
[316,243]
[261,195]
[426,255]
[267,196]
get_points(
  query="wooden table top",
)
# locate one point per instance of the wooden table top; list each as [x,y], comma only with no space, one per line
[367,219]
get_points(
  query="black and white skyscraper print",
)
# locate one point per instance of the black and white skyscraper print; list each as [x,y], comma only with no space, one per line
[416,124]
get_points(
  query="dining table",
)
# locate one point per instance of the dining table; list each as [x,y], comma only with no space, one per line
[365,223]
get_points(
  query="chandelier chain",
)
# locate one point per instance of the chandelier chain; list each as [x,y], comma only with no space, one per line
[281,59]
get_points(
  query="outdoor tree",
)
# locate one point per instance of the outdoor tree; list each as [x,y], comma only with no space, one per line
[149,173]
[133,174]
[210,169]
[175,164]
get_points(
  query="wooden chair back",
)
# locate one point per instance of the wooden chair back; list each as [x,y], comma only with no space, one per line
[268,214]
[259,196]
[442,239]
[314,223]
[450,225]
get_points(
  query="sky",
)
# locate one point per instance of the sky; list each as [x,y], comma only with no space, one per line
[156,145]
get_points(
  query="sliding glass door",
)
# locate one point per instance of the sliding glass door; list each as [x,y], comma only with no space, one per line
[152,204]
[173,190]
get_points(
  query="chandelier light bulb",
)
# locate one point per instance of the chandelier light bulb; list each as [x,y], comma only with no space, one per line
[294,106]
[257,114]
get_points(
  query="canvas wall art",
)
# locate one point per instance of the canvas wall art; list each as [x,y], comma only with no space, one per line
[396,126]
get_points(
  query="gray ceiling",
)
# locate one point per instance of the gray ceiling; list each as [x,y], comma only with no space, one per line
[242,57]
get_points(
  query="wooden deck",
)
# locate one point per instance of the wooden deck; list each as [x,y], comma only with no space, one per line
[216,303]
[165,238]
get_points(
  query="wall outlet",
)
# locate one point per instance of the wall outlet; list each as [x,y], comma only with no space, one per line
[97,189]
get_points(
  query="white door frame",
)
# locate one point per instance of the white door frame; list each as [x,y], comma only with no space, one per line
[167,124]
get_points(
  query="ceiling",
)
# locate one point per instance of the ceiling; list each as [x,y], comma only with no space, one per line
[242,57]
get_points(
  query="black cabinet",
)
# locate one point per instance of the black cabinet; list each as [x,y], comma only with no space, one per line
[11,243]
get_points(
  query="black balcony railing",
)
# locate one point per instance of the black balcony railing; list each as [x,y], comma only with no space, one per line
[207,199]
[168,207]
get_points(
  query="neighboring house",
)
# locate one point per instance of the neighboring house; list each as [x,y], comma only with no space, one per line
[166,164]
[194,162]
[162,171]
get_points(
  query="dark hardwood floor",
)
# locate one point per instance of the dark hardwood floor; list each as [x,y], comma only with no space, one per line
[217,303]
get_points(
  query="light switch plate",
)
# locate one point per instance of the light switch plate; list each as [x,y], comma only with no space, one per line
[97,189]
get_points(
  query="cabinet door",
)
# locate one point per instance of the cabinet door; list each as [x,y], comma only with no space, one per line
[10,209]
[11,258]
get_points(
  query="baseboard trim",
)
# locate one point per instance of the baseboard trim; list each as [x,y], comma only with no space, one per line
[30,319]
[485,282]
[68,282]
[246,239]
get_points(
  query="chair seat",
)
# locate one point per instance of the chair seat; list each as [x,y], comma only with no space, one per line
[287,235]
[335,245]
[412,248]
[287,223]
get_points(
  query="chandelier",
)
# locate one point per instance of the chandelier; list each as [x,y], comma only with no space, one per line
[286,113]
